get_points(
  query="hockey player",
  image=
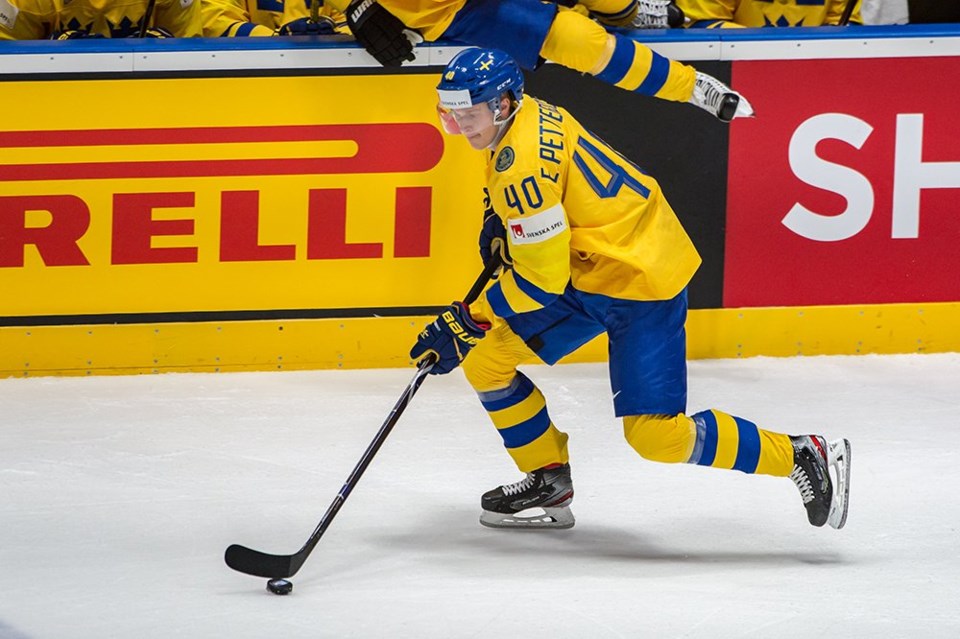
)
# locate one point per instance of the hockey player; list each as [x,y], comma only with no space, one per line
[593,247]
[42,19]
[529,31]
[230,18]
[763,13]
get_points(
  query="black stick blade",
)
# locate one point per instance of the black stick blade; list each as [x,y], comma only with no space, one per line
[260,564]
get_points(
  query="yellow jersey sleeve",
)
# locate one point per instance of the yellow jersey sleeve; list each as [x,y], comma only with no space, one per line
[27,19]
[233,18]
[540,249]
[229,18]
[182,18]
[835,9]
[430,17]
[708,13]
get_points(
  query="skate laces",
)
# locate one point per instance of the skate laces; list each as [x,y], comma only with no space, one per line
[800,476]
[802,481]
[518,487]
[708,92]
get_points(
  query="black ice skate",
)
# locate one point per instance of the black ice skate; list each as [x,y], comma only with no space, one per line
[714,96]
[541,500]
[824,496]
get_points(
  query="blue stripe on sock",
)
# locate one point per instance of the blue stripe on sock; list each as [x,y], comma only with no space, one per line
[620,62]
[659,70]
[748,449]
[709,438]
[498,301]
[245,29]
[519,389]
[525,432]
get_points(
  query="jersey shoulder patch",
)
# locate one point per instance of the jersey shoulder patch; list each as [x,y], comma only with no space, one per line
[504,159]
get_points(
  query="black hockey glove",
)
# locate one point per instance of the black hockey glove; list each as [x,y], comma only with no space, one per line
[75,34]
[154,32]
[306,26]
[493,239]
[448,338]
[381,33]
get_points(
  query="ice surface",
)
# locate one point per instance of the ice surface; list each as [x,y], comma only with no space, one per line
[118,496]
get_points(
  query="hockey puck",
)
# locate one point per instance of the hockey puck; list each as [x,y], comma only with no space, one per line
[280,586]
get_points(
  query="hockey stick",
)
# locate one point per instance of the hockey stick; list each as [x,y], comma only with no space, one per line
[260,564]
[847,12]
[147,16]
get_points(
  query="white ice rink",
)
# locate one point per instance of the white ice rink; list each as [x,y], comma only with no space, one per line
[118,496]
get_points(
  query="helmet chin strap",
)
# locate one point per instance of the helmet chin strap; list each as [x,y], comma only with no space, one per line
[501,130]
[502,127]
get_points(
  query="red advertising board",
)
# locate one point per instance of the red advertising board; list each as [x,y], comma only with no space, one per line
[845,189]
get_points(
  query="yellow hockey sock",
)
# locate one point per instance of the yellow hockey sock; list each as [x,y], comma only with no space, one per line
[710,438]
[519,413]
[726,441]
[579,43]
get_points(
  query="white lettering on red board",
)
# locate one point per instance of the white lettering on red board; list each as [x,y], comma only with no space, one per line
[911,175]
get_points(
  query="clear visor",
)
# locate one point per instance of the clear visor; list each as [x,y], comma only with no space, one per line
[457,112]
[455,121]
[448,121]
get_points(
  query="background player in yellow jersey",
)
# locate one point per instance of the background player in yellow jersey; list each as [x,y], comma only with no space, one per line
[41,19]
[595,248]
[231,18]
[529,31]
[766,13]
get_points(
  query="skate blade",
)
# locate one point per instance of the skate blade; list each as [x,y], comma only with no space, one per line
[744,109]
[531,519]
[839,459]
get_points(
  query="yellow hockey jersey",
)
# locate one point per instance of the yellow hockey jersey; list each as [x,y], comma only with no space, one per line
[39,19]
[577,211]
[259,17]
[765,13]
[430,17]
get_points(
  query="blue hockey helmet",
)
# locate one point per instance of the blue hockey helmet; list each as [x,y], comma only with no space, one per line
[480,76]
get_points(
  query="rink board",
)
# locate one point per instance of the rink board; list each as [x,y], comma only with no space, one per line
[289,205]
[383,342]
